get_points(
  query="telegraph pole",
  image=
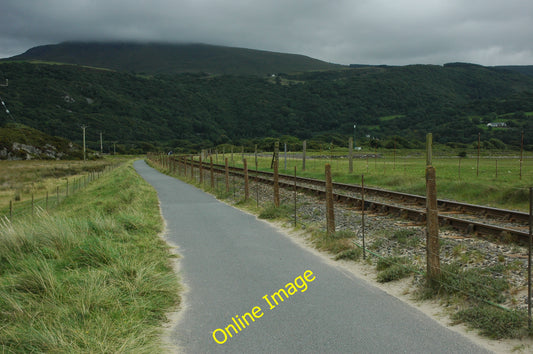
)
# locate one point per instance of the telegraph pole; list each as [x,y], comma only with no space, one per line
[101,144]
[83,127]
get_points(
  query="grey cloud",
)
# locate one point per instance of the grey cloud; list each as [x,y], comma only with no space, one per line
[489,32]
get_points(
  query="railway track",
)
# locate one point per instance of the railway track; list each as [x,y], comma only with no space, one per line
[468,218]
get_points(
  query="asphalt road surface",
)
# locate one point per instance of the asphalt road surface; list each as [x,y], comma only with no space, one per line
[233,265]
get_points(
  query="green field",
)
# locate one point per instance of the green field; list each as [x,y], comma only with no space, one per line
[496,182]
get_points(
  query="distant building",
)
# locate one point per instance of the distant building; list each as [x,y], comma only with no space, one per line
[497,125]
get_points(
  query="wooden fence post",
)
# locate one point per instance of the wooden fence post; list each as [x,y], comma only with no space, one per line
[201,167]
[246,184]
[276,184]
[304,148]
[478,152]
[192,167]
[530,247]
[227,175]
[330,212]
[256,180]
[350,155]
[212,172]
[432,217]
[255,155]
[521,153]
[295,197]
[285,155]
[275,155]
[363,213]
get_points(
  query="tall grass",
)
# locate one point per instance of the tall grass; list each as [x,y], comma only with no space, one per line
[91,277]
[20,180]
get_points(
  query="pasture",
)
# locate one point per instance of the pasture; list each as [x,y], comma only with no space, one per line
[498,180]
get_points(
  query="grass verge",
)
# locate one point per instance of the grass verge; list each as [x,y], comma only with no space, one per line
[392,268]
[469,284]
[476,292]
[493,322]
[271,212]
[92,277]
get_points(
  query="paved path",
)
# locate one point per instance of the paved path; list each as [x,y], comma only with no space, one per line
[233,263]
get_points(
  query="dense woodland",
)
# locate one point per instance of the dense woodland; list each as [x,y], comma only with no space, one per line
[190,111]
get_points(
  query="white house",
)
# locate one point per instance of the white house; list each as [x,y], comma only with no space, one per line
[497,125]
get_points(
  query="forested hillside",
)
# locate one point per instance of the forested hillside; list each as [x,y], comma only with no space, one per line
[190,111]
[523,69]
[18,142]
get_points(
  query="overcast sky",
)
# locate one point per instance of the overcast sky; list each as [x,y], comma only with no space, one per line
[395,32]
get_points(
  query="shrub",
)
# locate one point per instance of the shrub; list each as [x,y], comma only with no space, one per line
[273,212]
[392,268]
[384,263]
[395,272]
[494,322]
[354,254]
[471,283]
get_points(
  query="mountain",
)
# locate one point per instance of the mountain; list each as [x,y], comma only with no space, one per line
[191,111]
[158,58]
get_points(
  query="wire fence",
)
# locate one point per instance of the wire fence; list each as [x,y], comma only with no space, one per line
[474,162]
[479,276]
[50,199]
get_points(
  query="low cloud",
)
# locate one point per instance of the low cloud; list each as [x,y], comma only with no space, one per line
[489,32]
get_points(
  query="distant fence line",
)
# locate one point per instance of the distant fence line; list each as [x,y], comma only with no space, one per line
[50,199]
[374,161]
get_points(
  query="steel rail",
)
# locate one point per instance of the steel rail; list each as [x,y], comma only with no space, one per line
[408,212]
